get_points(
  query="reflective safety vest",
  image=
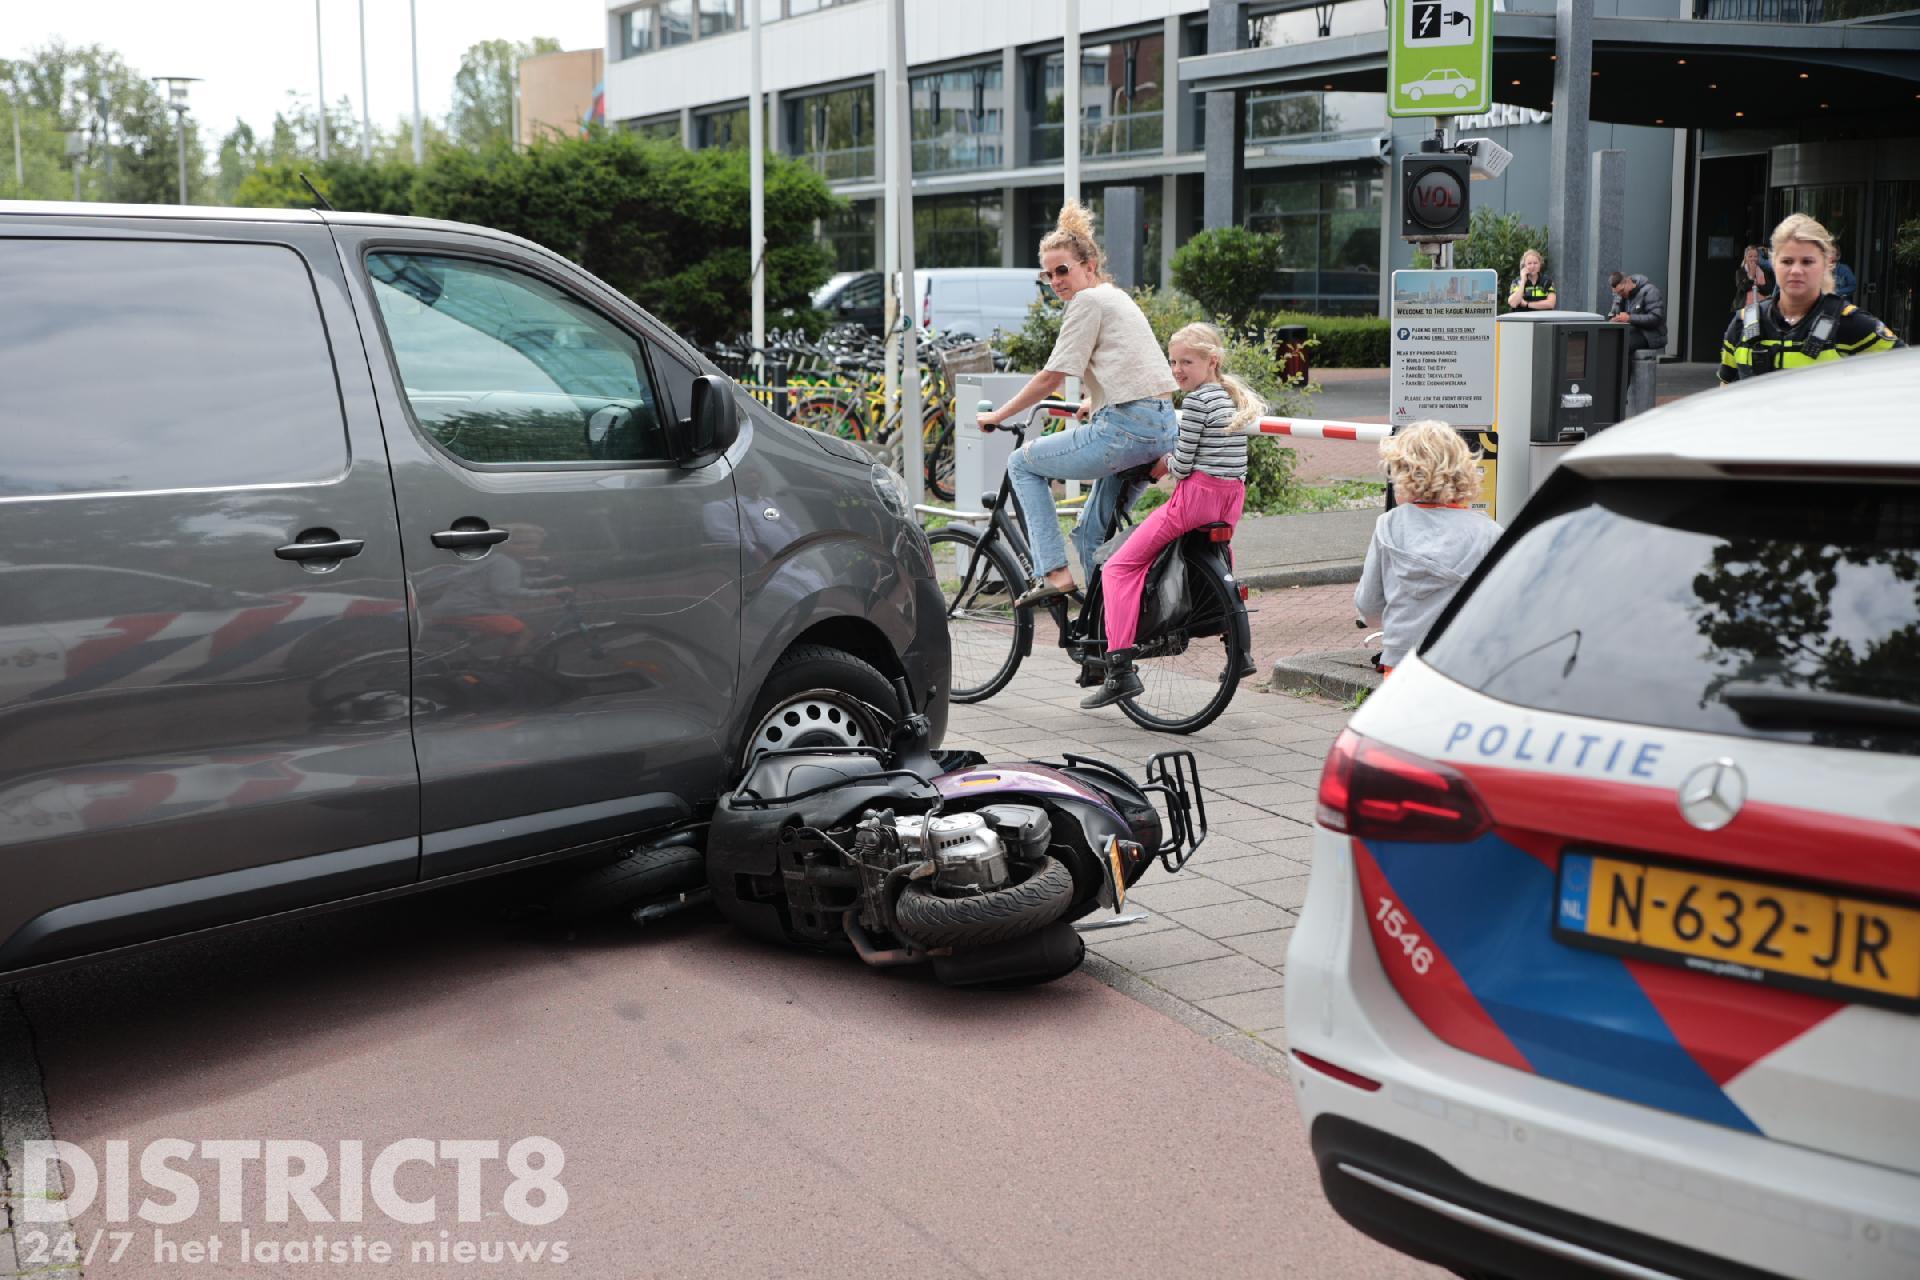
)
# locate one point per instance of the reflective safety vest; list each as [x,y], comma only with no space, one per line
[1536,292]
[1836,329]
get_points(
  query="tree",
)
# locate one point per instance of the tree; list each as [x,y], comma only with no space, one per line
[1495,242]
[1227,269]
[130,142]
[483,89]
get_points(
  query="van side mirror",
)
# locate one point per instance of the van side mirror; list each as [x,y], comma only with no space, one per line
[711,428]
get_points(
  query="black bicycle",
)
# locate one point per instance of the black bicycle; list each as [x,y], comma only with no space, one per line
[1191,662]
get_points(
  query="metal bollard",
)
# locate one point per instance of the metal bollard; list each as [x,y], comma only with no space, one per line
[1642,378]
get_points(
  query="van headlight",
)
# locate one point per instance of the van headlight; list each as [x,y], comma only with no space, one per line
[887,487]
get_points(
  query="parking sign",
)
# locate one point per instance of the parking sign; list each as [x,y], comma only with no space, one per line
[1440,58]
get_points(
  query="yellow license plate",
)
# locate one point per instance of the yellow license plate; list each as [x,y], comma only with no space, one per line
[1741,928]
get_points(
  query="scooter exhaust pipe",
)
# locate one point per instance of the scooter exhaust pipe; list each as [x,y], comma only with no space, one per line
[1041,956]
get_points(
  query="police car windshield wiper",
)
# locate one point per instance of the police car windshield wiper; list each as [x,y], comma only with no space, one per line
[1753,701]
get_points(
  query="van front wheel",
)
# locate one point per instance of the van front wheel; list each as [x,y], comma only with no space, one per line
[819,697]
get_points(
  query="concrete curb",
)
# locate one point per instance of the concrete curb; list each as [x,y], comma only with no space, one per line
[1314,575]
[23,1118]
[1343,674]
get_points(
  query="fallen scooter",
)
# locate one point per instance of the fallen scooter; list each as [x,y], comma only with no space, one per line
[975,869]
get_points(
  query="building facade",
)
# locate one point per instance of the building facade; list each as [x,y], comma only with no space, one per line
[988,91]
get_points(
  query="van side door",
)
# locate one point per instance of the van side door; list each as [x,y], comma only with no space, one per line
[576,594]
[203,635]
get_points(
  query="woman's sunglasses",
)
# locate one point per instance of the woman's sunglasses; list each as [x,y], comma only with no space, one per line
[1058,273]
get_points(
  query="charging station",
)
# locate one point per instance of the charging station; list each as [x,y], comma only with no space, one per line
[980,457]
[1562,377]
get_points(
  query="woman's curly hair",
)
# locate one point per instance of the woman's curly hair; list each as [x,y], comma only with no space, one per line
[1429,462]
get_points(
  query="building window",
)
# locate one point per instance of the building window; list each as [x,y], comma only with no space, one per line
[659,128]
[1122,98]
[676,22]
[957,231]
[725,129]
[1043,211]
[850,236]
[717,17]
[1328,220]
[1270,30]
[957,120]
[1272,117]
[833,132]
[636,32]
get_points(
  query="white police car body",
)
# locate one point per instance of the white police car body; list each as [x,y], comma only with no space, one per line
[1610,960]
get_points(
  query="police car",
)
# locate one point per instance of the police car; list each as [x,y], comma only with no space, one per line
[1610,960]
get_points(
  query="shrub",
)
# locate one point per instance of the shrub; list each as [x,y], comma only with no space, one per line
[1494,243]
[1341,342]
[1227,269]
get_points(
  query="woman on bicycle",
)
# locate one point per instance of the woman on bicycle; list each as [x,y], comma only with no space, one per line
[1209,465]
[1106,342]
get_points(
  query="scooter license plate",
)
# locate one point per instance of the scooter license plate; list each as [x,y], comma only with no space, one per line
[1116,874]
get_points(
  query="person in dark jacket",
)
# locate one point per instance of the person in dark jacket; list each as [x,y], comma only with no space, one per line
[1638,301]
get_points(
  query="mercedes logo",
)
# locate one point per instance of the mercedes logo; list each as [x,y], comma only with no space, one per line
[1713,794]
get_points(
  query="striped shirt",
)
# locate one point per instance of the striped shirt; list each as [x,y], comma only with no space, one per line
[1208,442]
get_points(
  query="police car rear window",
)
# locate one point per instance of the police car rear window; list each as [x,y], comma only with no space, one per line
[1779,610]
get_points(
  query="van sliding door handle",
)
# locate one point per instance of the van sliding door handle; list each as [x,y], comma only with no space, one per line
[331,548]
[454,538]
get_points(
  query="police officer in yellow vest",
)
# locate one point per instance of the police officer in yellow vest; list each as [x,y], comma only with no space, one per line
[1532,290]
[1805,322]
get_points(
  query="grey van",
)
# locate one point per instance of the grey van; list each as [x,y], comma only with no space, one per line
[343,556]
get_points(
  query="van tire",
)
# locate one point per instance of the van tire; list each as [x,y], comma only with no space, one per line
[829,698]
[648,872]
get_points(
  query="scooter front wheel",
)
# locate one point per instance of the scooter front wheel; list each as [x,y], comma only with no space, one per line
[998,915]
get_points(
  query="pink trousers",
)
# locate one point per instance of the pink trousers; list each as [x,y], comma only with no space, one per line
[1198,500]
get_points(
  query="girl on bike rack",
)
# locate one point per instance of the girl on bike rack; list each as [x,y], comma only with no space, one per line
[1106,342]
[1209,464]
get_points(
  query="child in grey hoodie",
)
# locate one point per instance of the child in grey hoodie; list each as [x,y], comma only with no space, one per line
[1425,547]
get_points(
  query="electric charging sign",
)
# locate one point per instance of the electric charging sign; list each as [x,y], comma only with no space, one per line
[1440,58]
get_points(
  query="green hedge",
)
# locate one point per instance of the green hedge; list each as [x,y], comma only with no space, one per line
[1341,342]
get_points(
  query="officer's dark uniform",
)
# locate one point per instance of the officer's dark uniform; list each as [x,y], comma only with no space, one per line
[1759,341]
[1536,292]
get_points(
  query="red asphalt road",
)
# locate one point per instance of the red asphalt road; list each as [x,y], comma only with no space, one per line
[726,1108]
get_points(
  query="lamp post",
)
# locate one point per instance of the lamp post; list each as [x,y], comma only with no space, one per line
[320,54]
[177,102]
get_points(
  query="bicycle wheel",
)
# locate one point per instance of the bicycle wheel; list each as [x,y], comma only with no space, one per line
[988,634]
[830,414]
[1189,680]
[938,463]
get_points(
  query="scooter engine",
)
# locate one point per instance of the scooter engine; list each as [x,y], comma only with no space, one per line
[967,854]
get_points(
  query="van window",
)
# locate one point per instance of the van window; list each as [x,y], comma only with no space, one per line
[150,364]
[1668,602]
[862,293]
[501,367]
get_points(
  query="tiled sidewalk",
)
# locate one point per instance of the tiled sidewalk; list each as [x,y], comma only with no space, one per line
[1212,949]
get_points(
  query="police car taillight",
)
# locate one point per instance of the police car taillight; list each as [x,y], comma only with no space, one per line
[1375,792]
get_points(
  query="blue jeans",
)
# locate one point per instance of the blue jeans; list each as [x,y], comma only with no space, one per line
[1119,436]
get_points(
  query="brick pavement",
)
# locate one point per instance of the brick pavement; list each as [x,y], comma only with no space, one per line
[1289,621]
[1211,951]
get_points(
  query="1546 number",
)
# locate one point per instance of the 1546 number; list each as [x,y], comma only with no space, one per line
[1396,926]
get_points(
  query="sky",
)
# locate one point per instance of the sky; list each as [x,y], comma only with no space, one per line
[249,53]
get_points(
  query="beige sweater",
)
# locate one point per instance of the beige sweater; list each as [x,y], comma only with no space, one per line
[1106,342]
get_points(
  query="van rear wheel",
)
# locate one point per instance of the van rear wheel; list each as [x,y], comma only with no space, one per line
[819,697]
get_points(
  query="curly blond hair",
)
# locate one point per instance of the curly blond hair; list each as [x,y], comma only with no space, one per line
[1073,231]
[1807,229]
[1429,462]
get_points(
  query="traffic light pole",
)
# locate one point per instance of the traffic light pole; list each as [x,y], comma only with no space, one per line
[1442,251]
